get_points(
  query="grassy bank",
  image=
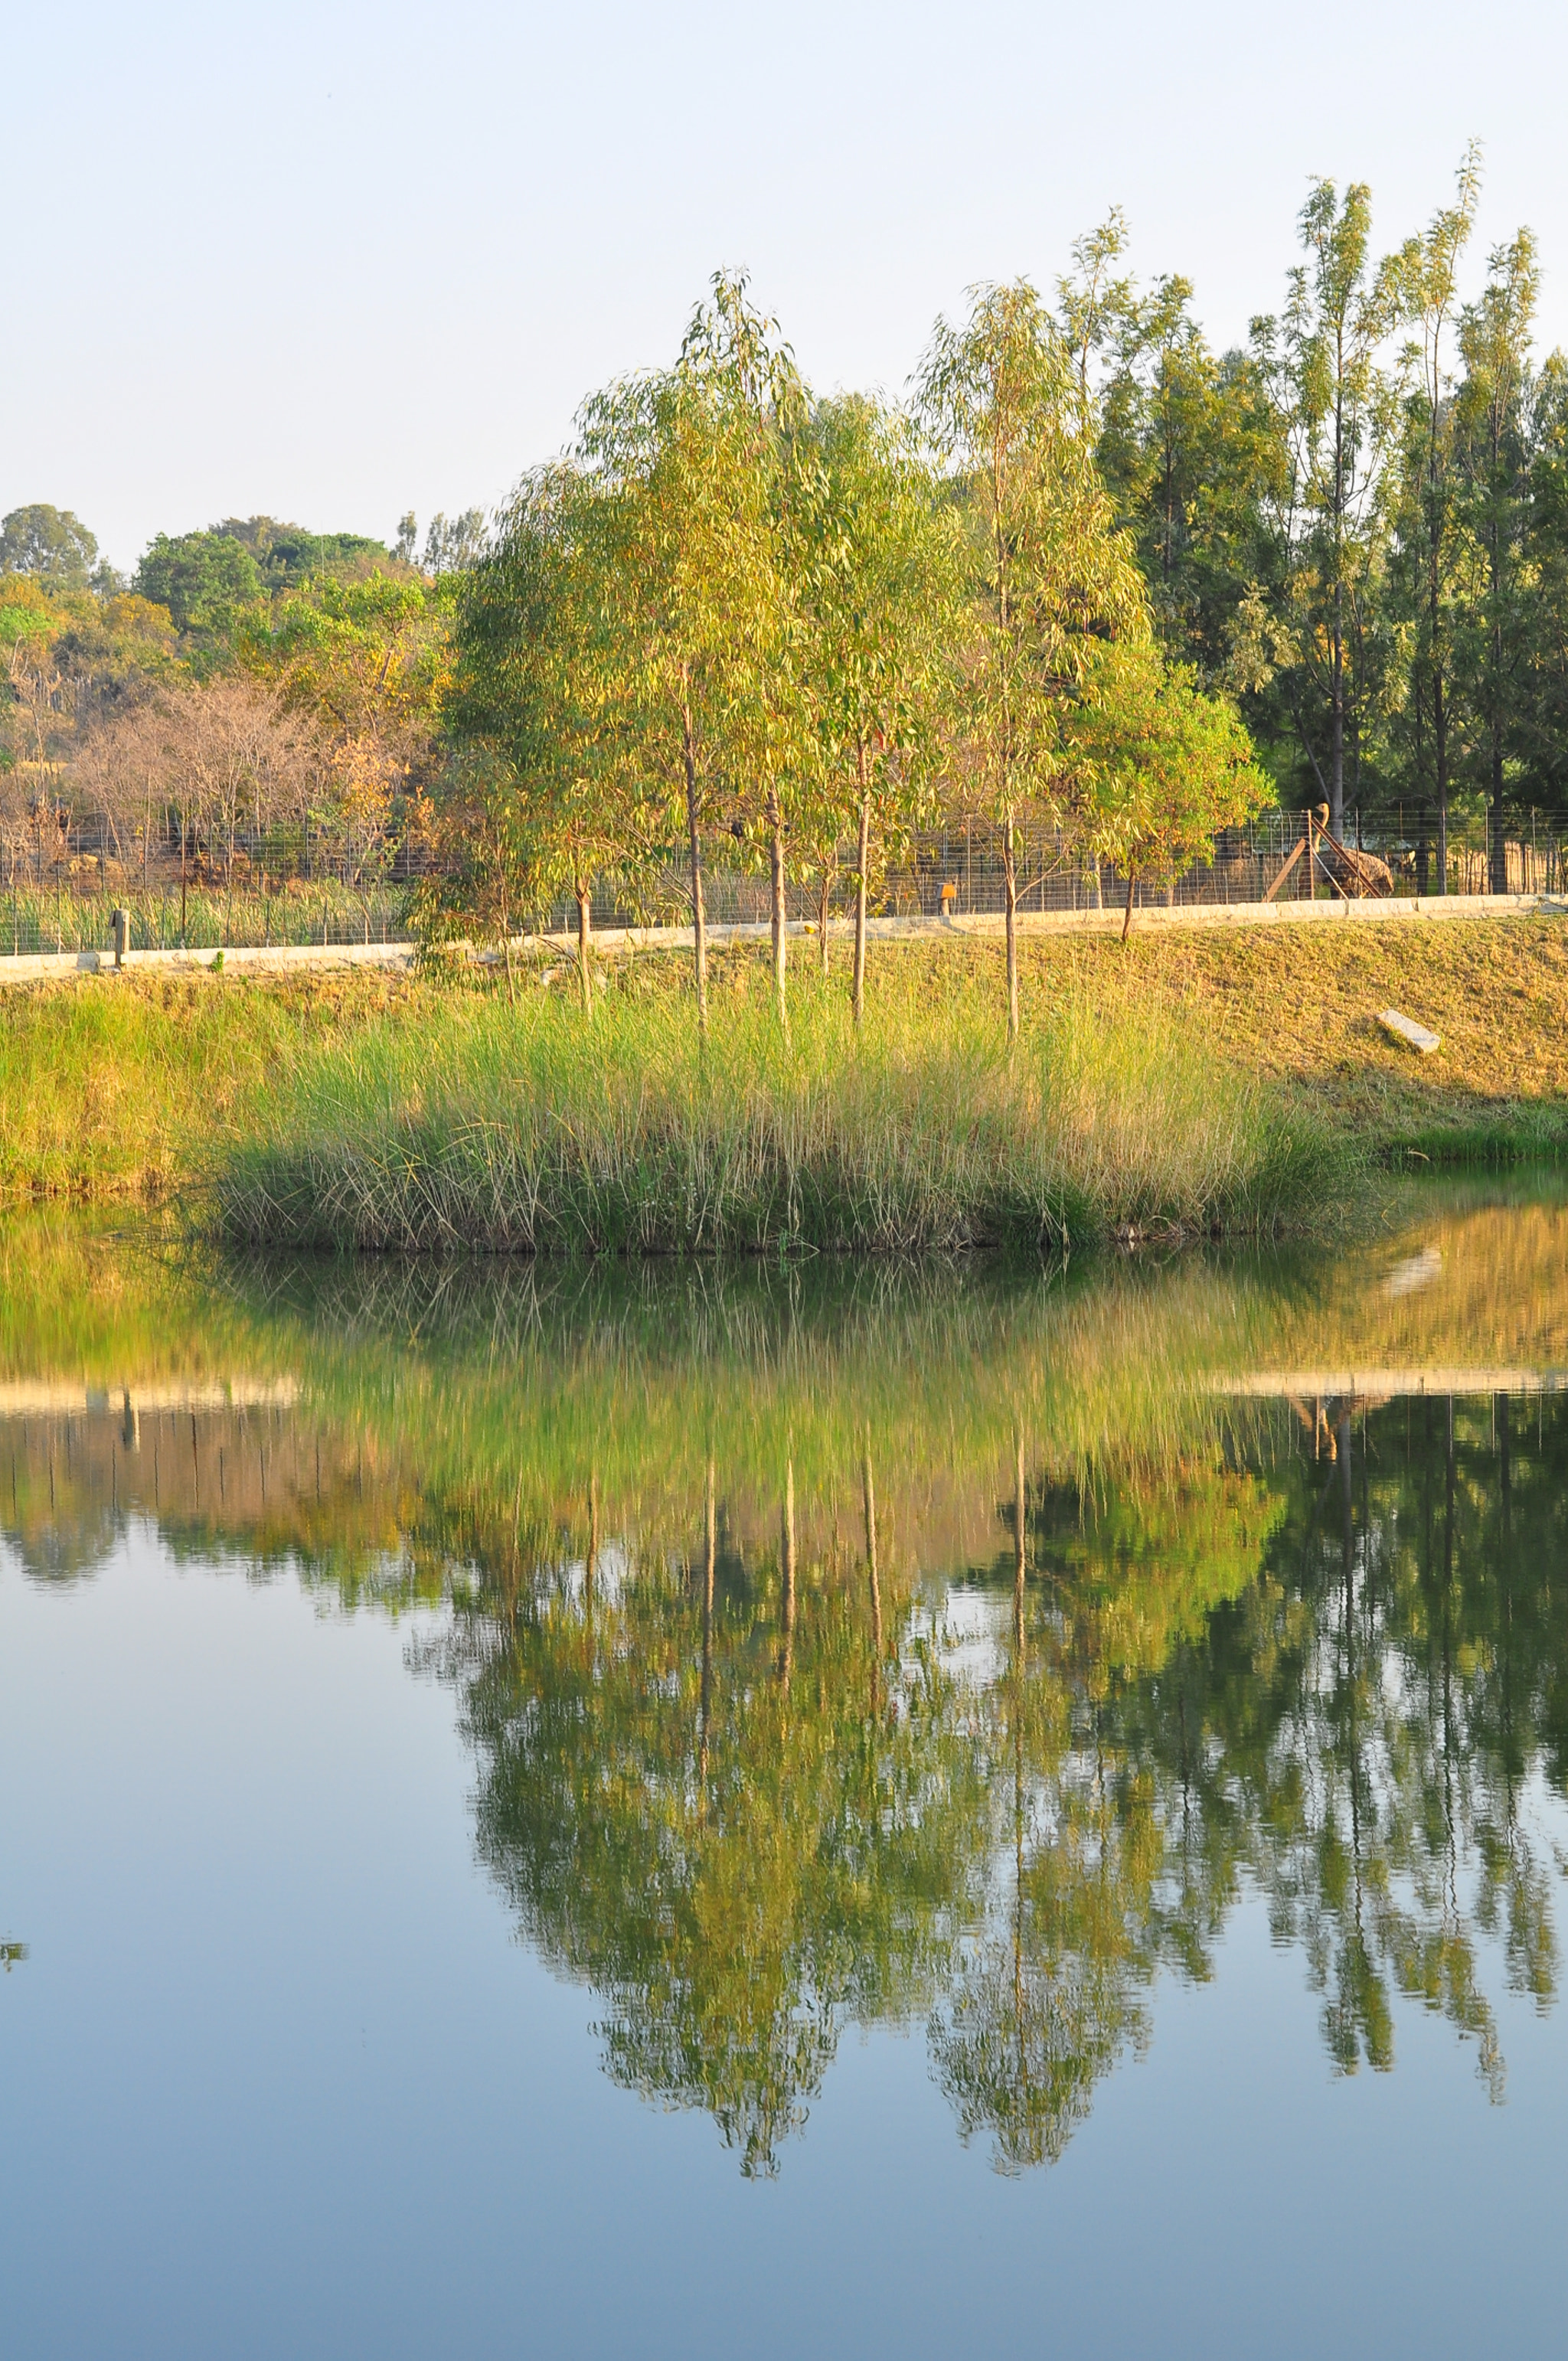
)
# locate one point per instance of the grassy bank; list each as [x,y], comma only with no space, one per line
[1298,1006]
[472,1123]
[1169,1083]
[114,1086]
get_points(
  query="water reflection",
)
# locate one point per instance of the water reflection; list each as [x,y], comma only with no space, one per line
[948,1650]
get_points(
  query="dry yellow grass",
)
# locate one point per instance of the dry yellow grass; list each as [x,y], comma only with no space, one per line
[1299,1005]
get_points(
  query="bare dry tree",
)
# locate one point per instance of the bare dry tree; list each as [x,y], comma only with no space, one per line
[201,768]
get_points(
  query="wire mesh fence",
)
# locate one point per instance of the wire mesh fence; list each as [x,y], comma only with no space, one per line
[69,908]
[962,867]
[68,916]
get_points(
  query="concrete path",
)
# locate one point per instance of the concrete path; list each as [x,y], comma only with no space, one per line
[1153,920]
[35,967]
[1399,911]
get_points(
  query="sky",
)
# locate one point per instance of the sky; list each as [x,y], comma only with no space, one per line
[329,261]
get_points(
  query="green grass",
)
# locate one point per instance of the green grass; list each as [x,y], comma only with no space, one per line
[467,1124]
[114,1085]
[36,918]
[1237,1079]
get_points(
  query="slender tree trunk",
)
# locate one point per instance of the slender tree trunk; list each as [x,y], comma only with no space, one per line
[1010,887]
[1127,913]
[1442,844]
[779,913]
[590,1564]
[693,833]
[584,926]
[1498,863]
[822,900]
[862,855]
[1337,743]
[868,1497]
[710,1558]
[1336,760]
[1439,718]
[1499,840]
[786,1653]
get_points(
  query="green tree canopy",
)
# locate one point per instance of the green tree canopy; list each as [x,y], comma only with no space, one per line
[205,579]
[49,544]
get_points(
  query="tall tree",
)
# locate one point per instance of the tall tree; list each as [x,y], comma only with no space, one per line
[532,698]
[1495,339]
[1332,402]
[882,568]
[739,356]
[687,525]
[1428,272]
[1543,707]
[1050,577]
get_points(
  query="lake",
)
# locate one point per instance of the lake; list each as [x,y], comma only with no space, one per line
[786,1810]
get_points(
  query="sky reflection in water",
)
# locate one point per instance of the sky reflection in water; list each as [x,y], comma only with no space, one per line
[884,1706]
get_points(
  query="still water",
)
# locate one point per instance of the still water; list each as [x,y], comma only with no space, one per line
[894,1812]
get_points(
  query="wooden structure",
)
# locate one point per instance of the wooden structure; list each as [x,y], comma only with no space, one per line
[1353,876]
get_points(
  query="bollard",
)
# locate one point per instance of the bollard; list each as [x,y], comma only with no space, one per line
[120,927]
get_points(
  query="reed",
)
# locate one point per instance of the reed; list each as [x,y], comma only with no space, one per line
[469,1124]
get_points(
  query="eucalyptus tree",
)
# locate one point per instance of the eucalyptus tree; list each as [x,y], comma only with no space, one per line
[1167,765]
[1429,274]
[534,694]
[882,559]
[1494,424]
[1048,577]
[1544,715]
[1097,305]
[1334,414]
[736,353]
[691,594]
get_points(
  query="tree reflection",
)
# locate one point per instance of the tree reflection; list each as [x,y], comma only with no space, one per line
[704,1795]
[1335,1675]
[950,1654]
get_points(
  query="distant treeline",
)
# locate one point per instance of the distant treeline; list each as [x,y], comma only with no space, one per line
[256,697]
[1093,582]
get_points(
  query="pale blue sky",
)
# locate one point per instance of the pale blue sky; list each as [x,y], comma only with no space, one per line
[331,260]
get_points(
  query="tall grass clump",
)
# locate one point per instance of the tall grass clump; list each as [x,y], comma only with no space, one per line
[470,1124]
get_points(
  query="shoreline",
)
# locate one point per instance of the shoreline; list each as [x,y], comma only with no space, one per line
[153,1083]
